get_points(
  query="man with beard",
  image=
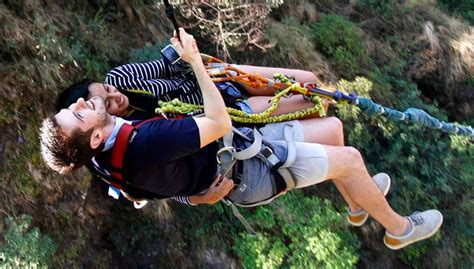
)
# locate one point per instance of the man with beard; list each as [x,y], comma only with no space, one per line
[178,158]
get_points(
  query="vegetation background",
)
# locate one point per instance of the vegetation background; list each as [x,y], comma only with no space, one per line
[402,53]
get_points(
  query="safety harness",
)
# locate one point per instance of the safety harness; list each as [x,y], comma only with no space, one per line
[124,136]
[228,155]
[230,159]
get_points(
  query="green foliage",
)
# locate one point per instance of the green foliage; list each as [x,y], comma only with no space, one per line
[285,54]
[379,7]
[341,40]
[147,53]
[428,175]
[94,65]
[25,247]
[298,232]
[470,81]
[465,8]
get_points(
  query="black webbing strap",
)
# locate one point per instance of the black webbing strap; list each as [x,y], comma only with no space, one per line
[169,10]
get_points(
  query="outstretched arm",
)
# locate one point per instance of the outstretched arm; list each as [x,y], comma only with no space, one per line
[158,69]
[216,122]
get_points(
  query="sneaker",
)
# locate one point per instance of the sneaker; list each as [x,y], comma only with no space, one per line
[423,225]
[140,204]
[359,217]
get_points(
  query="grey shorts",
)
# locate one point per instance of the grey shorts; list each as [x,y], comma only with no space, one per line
[310,167]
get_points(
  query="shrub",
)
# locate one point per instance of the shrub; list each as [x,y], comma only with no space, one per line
[379,7]
[437,174]
[300,232]
[340,39]
[25,247]
[147,53]
[465,8]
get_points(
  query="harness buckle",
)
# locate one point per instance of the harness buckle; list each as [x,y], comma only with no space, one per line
[266,152]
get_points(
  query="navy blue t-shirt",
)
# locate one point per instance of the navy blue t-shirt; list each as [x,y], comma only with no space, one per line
[165,158]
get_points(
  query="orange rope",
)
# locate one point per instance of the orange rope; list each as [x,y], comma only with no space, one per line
[254,80]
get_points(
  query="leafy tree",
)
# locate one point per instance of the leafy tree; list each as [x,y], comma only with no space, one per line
[25,247]
[341,40]
[465,8]
[299,232]
[429,170]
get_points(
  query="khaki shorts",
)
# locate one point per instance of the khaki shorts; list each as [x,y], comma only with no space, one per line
[310,167]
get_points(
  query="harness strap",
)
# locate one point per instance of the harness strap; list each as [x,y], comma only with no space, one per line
[239,216]
[125,135]
[256,148]
[290,159]
[118,151]
[250,151]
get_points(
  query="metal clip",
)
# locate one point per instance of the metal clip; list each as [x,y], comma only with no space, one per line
[164,115]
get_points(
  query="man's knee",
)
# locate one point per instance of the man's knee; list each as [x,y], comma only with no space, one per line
[352,159]
[344,162]
[310,76]
[336,124]
[352,153]
[334,129]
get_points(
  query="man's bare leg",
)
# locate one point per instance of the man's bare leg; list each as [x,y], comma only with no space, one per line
[268,72]
[328,131]
[287,105]
[347,167]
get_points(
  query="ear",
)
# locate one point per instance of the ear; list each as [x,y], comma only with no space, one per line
[97,138]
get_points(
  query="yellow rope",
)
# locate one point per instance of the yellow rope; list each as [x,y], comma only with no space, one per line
[176,106]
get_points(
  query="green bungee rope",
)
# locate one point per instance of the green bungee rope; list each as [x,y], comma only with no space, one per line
[177,107]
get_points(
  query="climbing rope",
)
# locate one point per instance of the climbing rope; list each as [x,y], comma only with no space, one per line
[177,107]
[414,116]
[283,86]
[169,10]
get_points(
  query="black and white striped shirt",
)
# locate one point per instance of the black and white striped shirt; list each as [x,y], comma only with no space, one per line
[163,80]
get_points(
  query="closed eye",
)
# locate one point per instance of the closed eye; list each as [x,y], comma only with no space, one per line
[78,116]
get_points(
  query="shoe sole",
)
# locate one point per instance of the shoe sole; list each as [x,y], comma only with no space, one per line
[387,189]
[419,239]
[358,224]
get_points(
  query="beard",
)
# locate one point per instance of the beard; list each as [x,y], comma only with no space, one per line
[99,105]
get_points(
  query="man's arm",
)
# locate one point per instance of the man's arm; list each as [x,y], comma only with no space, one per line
[154,77]
[216,122]
[219,189]
[158,69]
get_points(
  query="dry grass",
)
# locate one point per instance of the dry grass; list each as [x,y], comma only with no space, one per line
[446,49]
[432,38]
[15,34]
[464,52]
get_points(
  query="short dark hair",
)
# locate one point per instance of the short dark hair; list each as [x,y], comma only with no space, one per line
[64,153]
[72,93]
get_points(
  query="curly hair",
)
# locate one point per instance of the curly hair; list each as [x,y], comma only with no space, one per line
[64,153]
